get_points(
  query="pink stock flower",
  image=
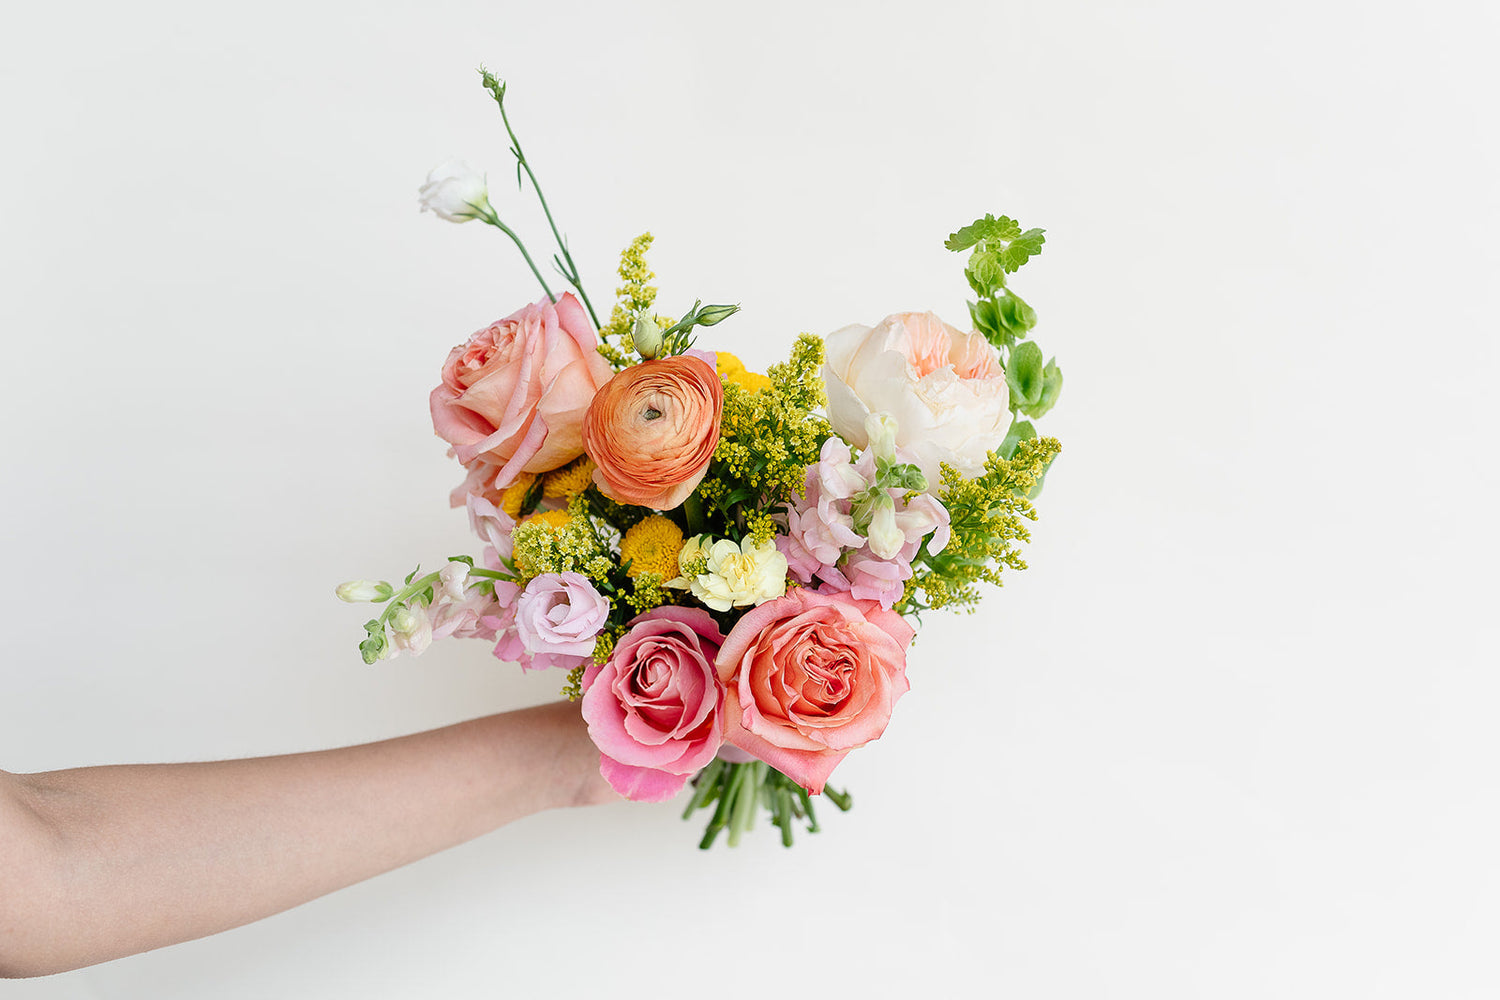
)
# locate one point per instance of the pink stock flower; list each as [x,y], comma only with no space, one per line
[493,526]
[654,707]
[554,622]
[512,397]
[809,677]
[822,542]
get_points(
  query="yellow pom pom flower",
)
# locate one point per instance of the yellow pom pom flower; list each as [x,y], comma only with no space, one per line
[651,546]
[569,481]
[515,494]
[733,369]
[551,518]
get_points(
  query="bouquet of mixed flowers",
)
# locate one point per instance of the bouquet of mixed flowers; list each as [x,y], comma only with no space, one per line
[726,565]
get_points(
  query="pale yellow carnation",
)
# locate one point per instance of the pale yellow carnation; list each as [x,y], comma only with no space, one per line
[739,576]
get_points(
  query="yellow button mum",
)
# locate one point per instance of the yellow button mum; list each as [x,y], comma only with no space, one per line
[515,494]
[651,546]
[569,481]
[734,370]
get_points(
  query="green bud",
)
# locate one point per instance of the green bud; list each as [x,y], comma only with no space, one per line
[646,336]
[710,315]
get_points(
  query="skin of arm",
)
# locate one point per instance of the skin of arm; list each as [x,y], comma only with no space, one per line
[101,862]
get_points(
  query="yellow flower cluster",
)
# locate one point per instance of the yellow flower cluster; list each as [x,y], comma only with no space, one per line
[769,437]
[561,541]
[635,295]
[986,514]
[732,369]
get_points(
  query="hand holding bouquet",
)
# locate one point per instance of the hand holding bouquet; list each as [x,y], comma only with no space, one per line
[726,565]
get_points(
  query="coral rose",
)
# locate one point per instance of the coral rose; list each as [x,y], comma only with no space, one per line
[809,677]
[945,388]
[654,707]
[652,429]
[513,396]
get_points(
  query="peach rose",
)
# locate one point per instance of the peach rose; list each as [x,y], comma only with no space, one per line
[652,429]
[809,677]
[513,397]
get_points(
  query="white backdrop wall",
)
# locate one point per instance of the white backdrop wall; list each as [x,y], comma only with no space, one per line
[1232,735]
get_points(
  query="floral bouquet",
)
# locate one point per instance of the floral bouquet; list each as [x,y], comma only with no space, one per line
[727,566]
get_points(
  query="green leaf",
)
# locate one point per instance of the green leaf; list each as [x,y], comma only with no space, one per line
[987,228]
[1051,388]
[1021,249]
[985,272]
[1020,430]
[1023,373]
[1015,315]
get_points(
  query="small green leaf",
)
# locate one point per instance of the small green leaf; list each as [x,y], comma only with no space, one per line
[1051,388]
[1023,373]
[1021,249]
[985,272]
[1020,430]
[1015,315]
[987,228]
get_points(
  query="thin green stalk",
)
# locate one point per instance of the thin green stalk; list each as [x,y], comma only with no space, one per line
[494,220]
[571,271]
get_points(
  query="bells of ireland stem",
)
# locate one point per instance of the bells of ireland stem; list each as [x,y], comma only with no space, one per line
[646,336]
[455,192]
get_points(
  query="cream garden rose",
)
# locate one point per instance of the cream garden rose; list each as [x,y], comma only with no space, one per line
[945,389]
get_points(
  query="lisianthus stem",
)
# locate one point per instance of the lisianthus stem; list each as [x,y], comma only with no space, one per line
[570,272]
[494,220]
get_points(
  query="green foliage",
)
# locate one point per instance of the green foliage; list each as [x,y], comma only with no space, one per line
[986,523]
[767,439]
[1005,319]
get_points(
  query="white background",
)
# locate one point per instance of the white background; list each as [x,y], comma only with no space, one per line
[1232,735]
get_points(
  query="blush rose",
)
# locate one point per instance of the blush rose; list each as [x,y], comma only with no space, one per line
[809,677]
[654,707]
[945,389]
[512,397]
[652,429]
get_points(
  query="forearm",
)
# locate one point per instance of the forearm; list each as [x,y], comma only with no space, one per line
[124,859]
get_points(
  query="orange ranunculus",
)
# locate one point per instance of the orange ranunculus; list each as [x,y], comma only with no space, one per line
[652,430]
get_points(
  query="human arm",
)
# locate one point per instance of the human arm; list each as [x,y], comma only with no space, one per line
[101,862]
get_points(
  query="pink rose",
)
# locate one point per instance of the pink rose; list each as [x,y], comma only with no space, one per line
[513,397]
[654,707]
[554,622]
[810,677]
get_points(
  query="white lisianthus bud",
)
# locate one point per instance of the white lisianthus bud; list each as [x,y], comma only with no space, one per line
[646,336]
[456,192]
[453,577]
[355,591]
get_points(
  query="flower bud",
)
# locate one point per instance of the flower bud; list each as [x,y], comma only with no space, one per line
[453,577]
[456,192]
[646,336]
[355,591]
[709,315]
[403,621]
